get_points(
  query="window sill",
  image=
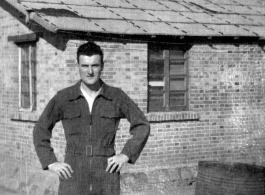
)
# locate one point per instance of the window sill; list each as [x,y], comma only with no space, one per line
[154,117]
[161,117]
[25,117]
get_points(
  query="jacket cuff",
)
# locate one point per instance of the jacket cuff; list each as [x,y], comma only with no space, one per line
[132,158]
[47,162]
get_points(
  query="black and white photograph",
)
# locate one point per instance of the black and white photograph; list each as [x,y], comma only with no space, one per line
[132,97]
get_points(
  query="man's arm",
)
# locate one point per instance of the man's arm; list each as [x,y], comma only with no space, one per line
[41,138]
[139,129]
[42,134]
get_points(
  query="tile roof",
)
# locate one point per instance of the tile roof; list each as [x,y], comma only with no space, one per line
[152,17]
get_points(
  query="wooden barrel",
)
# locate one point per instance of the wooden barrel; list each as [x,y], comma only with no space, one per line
[216,178]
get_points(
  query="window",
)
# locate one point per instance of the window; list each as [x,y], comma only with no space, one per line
[27,76]
[167,78]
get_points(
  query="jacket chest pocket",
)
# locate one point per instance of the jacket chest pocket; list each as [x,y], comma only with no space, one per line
[72,121]
[109,121]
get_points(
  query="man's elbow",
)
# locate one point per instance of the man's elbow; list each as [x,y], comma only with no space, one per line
[147,129]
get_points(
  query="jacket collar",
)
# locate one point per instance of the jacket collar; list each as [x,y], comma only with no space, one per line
[75,91]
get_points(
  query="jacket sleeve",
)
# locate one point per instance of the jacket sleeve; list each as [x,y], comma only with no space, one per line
[43,131]
[139,128]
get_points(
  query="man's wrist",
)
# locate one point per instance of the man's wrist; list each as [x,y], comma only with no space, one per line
[49,166]
[125,157]
[123,153]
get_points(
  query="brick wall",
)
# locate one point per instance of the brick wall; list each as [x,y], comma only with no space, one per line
[226,99]
[227,89]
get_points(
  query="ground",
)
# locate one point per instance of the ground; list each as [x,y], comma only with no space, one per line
[4,191]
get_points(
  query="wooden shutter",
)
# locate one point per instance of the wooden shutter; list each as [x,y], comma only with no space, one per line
[178,80]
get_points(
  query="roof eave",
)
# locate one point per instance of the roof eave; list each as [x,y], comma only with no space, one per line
[42,22]
[19,8]
[32,16]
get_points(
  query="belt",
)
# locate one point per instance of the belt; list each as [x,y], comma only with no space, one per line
[90,150]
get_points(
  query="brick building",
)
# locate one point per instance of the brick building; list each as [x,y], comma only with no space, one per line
[195,68]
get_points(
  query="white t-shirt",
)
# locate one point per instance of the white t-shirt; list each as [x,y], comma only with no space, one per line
[90,100]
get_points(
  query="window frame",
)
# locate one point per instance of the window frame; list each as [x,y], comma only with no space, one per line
[32,97]
[166,48]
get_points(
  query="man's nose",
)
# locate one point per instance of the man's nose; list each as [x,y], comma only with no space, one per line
[90,70]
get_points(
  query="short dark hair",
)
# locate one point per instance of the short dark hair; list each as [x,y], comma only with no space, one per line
[89,49]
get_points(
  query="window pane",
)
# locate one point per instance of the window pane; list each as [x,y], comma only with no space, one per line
[25,84]
[157,83]
[25,100]
[177,69]
[156,98]
[176,54]
[156,70]
[177,84]
[33,52]
[155,54]
[177,62]
[25,53]
[177,99]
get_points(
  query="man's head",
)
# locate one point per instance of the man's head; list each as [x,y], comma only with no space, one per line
[90,63]
[89,49]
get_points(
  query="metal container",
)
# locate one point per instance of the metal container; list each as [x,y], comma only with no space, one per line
[216,178]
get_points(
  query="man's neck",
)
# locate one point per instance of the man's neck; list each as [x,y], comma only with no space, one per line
[91,90]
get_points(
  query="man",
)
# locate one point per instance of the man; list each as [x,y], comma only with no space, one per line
[90,112]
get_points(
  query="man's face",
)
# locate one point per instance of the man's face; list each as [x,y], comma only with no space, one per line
[90,68]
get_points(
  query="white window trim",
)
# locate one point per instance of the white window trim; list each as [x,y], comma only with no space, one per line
[30,109]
